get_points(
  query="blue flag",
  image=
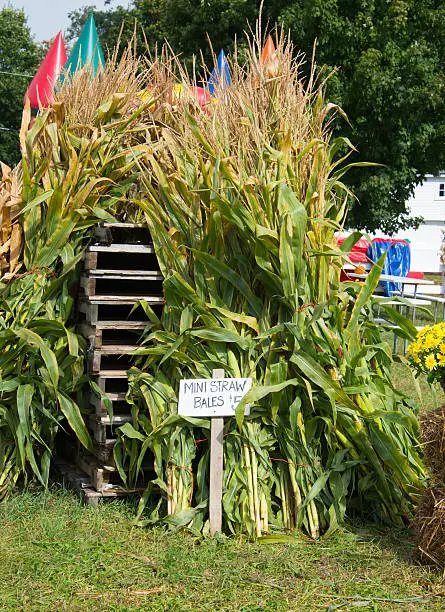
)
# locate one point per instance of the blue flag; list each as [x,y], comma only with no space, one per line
[220,76]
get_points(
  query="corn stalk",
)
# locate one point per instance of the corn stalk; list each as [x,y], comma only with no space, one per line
[243,203]
[71,176]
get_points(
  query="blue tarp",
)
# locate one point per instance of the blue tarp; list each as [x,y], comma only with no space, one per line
[397,262]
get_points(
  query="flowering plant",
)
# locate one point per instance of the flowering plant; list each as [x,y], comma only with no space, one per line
[427,352]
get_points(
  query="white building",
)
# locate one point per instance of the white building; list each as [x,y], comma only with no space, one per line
[428,201]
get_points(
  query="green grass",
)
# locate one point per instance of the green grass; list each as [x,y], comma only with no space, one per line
[57,555]
[426,396]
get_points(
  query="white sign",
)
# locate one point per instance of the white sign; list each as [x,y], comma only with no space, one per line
[212,397]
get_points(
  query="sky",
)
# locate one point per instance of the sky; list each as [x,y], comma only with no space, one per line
[47,17]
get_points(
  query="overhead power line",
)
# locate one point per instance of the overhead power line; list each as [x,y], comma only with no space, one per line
[19,74]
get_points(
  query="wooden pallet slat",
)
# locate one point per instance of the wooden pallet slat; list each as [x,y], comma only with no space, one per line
[101,311]
[114,299]
[125,224]
[121,248]
[121,232]
[138,287]
[106,335]
[113,397]
[110,359]
[118,402]
[125,274]
[103,428]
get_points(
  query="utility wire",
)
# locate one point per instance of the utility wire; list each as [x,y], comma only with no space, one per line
[19,74]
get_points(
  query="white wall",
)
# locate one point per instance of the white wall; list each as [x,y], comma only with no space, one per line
[425,246]
[426,241]
[426,200]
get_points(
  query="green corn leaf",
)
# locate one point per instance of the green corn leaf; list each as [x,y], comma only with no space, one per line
[219,335]
[47,354]
[223,270]
[24,398]
[72,413]
[317,375]
[128,430]
[406,327]
[349,242]
[364,296]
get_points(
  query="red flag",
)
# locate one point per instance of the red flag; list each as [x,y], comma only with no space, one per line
[41,89]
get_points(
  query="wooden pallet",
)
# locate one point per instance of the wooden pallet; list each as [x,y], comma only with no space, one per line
[112,382]
[111,358]
[120,232]
[104,310]
[114,286]
[119,404]
[104,429]
[76,478]
[112,333]
[120,270]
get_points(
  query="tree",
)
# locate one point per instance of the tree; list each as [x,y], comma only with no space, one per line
[119,21]
[390,80]
[19,59]
[391,83]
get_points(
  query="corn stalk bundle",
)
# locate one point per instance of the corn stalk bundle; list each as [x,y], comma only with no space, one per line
[243,200]
[72,175]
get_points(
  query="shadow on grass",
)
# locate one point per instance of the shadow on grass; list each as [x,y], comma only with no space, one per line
[398,540]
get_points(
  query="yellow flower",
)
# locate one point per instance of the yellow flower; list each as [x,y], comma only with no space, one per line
[430,362]
[440,359]
[430,342]
[423,331]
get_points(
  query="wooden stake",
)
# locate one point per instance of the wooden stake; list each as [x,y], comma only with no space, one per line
[216,468]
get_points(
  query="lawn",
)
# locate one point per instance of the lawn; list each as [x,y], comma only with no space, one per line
[57,555]
[425,395]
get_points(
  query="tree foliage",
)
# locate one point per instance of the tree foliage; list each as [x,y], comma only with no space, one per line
[390,82]
[19,59]
[118,23]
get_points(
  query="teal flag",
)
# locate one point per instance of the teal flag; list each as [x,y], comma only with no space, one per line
[87,50]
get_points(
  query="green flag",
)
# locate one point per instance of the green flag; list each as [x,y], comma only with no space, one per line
[87,50]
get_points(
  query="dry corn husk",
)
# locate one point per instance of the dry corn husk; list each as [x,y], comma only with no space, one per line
[11,231]
[432,426]
[429,527]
